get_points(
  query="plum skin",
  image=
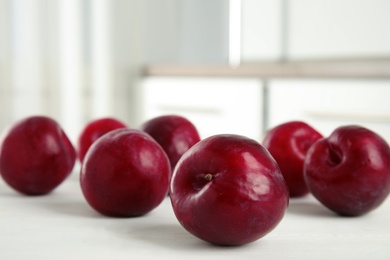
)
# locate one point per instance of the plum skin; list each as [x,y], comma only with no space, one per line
[288,143]
[36,155]
[228,190]
[349,171]
[125,173]
[176,134]
[93,130]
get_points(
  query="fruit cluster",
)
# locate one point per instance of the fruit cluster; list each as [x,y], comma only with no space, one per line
[225,189]
[348,171]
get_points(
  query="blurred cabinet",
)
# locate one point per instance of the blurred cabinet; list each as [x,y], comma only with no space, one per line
[214,105]
[327,104]
[313,39]
[252,98]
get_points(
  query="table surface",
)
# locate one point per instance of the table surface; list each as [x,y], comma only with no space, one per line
[61,225]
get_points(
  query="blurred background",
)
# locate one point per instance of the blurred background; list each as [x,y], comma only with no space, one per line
[77,60]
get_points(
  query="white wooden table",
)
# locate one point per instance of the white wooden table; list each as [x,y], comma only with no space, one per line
[61,225]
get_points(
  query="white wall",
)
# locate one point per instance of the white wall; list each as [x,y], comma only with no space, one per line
[316,29]
[261,30]
[186,31]
[78,60]
[339,28]
[106,61]
[312,29]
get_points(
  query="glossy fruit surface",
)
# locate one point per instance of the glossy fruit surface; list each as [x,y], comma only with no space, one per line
[95,129]
[125,173]
[349,172]
[228,190]
[176,134]
[288,144]
[36,155]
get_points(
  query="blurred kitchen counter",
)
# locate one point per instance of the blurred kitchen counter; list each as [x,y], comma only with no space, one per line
[354,68]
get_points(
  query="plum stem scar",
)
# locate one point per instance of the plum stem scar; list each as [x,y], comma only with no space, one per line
[208,176]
